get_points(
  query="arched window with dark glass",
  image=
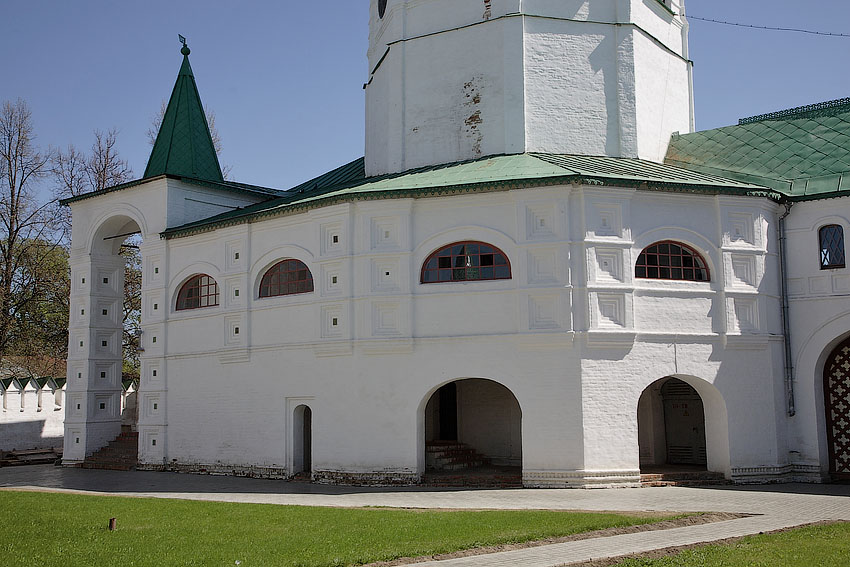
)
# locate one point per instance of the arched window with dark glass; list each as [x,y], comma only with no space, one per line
[831,239]
[200,291]
[671,261]
[466,261]
[287,277]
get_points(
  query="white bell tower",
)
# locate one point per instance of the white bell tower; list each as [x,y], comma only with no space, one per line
[453,80]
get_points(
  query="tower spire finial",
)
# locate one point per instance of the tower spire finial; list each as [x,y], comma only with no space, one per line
[185,49]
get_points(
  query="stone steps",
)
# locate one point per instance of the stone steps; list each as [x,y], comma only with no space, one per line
[30,457]
[452,456]
[683,478]
[122,454]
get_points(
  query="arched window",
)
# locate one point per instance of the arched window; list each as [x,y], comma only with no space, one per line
[286,278]
[200,291]
[466,261]
[671,261]
[831,246]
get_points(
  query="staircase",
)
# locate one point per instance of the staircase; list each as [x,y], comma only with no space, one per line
[122,454]
[455,464]
[31,457]
[451,456]
[683,478]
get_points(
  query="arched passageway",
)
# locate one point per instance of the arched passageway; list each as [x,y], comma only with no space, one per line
[105,319]
[836,391]
[473,428]
[671,427]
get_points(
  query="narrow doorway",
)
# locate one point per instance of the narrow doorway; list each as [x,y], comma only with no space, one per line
[303,442]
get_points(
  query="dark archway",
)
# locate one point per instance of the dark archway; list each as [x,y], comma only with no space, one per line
[836,393]
[303,441]
[473,427]
[671,426]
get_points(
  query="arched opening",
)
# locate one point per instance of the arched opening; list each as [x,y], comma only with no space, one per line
[672,428]
[302,442]
[473,435]
[836,393]
[105,340]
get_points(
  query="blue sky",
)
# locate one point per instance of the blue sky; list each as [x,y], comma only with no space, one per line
[285,78]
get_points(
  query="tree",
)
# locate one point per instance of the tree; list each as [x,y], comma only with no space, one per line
[27,243]
[132,309]
[156,124]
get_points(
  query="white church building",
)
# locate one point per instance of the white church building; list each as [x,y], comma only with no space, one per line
[537,265]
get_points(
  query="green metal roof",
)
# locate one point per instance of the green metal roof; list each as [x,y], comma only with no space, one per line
[802,152]
[6,382]
[184,146]
[349,182]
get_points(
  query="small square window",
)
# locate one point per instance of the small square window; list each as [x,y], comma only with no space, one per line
[333,280]
[79,375]
[156,406]
[77,441]
[335,322]
[103,343]
[153,442]
[155,306]
[106,280]
[336,239]
[154,340]
[236,256]
[154,373]
[103,374]
[236,330]
[82,311]
[78,406]
[81,344]
[105,312]
[83,280]
[386,274]
[235,293]
[102,406]
[156,270]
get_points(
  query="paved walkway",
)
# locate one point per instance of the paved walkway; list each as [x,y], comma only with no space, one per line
[774,507]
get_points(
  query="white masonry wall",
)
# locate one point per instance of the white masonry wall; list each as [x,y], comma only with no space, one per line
[32,418]
[452,81]
[572,335]
[820,320]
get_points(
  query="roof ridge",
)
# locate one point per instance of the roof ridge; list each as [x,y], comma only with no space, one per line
[800,111]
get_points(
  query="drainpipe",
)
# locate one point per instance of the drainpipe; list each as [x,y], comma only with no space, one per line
[786,327]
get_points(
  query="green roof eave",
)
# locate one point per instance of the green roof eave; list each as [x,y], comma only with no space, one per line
[240,188]
[494,173]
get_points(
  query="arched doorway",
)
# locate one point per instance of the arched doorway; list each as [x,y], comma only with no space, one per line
[302,442]
[473,430]
[836,391]
[671,427]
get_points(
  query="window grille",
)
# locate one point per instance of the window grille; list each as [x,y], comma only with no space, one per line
[286,278]
[466,261]
[831,247]
[671,261]
[200,291]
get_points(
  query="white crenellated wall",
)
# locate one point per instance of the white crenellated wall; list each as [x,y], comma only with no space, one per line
[31,417]
[452,81]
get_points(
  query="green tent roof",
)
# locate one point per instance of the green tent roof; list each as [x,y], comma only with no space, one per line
[184,146]
[802,152]
[349,182]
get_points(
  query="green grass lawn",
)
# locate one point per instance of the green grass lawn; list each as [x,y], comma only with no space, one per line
[43,529]
[811,546]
